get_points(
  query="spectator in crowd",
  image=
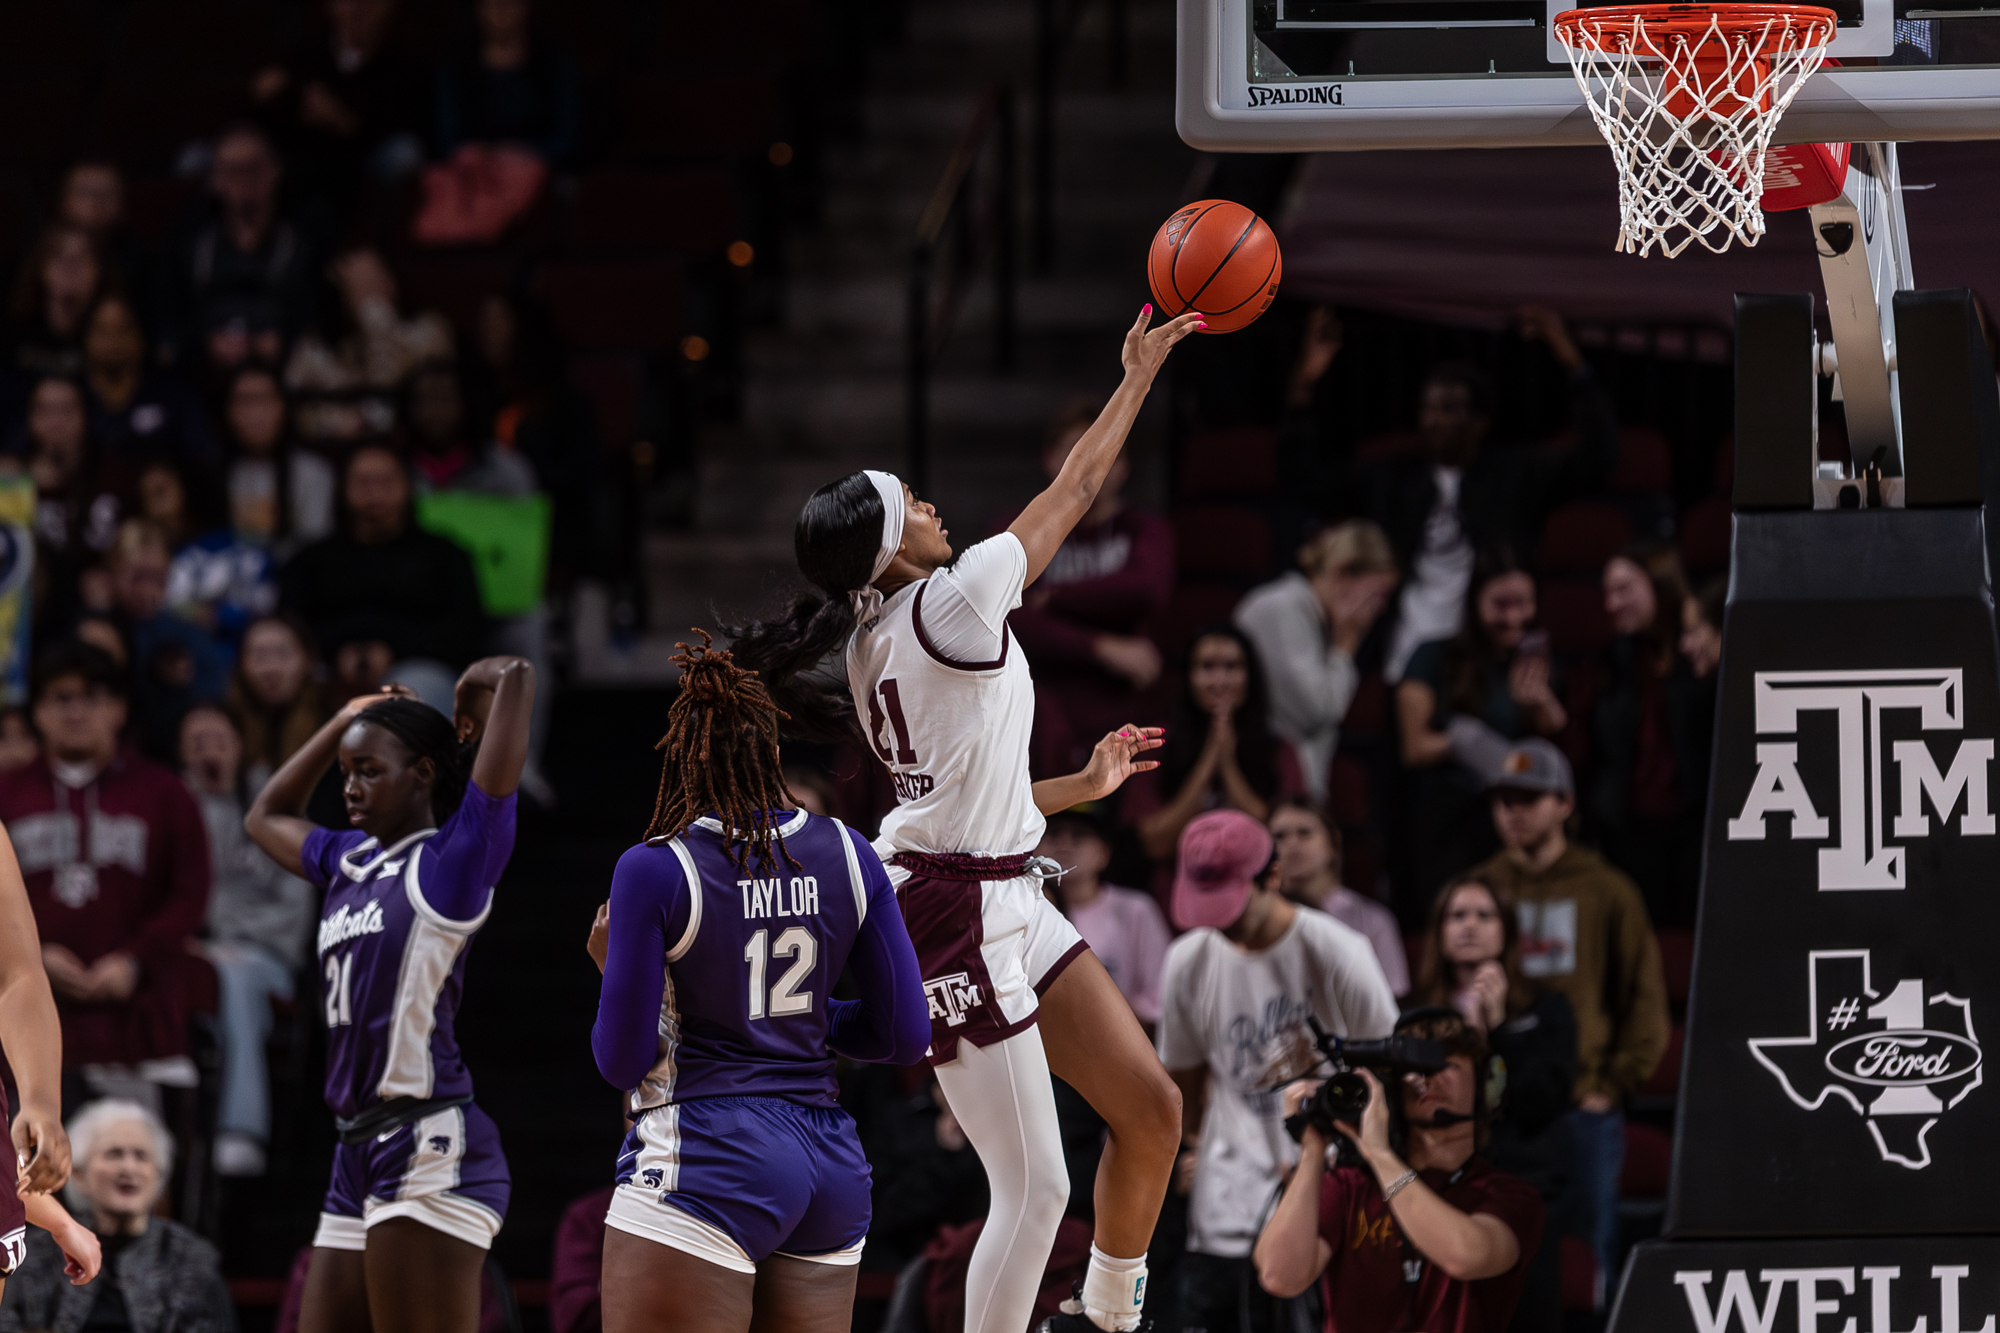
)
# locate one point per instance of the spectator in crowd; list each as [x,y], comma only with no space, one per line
[281,495]
[1461,704]
[1701,630]
[1472,963]
[576,1272]
[1584,933]
[275,695]
[116,862]
[535,410]
[76,512]
[175,664]
[1082,624]
[1458,494]
[1645,724]
[216,580]
[92,198]
[136,411]
[18,746]
[239,286]
[381,594]
[1240,986]
[1307,869]
[158,1276]
[509,87]
[346,377]
[59,282]
[1123,927]
[444,453]
[1220,747]
[1423,1232]
[1308,626]
[258,921]
[347,106]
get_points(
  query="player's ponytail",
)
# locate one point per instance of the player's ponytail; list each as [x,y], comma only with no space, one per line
[428,734]
[838,534]
[721,756]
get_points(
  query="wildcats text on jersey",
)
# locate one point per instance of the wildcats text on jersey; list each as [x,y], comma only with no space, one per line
[778,897]
[346,923]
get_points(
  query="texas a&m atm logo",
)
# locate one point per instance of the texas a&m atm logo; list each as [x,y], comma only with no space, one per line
[1861,856]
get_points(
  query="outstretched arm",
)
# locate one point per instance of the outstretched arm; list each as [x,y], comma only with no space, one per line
[277,821]
[1051,515]
[493,704]
[31,1035]
[1112,760]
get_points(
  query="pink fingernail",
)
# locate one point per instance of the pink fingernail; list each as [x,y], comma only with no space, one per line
[1147,309]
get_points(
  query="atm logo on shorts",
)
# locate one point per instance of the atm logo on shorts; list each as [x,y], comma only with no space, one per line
[1859,701]
[950,996]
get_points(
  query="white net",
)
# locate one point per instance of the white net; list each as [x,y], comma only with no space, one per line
[1689,108]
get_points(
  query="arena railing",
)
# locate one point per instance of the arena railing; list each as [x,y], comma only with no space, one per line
[968,226]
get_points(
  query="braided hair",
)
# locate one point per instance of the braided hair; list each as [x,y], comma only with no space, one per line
[721,755]
[428,734]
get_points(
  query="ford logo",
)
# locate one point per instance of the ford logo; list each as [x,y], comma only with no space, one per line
[1903,1058]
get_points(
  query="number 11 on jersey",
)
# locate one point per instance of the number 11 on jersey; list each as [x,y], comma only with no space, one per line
[799,945]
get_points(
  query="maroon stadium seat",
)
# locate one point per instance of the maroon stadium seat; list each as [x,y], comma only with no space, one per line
[1572,611]
[1578,538]
[633,306]
[1238,460]
[612,383]
[1666,1077]
[699,117]
[1706,529]
[1649,1156]
[1676,961]
[623,210]
[1579,1275]
[1222,540]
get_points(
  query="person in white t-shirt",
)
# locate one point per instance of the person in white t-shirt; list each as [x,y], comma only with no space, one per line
[1240,985]
[937,688]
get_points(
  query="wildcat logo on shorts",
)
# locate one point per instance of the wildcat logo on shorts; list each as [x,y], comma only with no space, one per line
[951,996]
[440,1144]
[1859,700]
[653,1175]
[1900,1055]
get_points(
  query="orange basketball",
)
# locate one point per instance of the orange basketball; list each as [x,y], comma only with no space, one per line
[1218,258]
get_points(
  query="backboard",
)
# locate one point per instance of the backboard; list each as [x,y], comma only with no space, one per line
[1316,75]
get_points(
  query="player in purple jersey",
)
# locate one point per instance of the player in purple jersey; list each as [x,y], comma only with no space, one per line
[742,1189]
[420,1184]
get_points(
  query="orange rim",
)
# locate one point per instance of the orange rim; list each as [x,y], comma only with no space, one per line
[1783,27]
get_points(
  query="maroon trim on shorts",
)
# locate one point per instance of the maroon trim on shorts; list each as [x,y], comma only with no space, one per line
[962,866]
[947,926]
[924,638]
[1061,965]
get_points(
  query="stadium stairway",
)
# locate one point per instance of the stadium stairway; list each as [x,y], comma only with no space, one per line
[825,386]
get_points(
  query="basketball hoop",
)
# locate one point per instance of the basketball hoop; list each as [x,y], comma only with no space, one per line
[1688,96]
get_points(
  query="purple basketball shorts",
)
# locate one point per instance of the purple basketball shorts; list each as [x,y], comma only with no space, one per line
[446,1171]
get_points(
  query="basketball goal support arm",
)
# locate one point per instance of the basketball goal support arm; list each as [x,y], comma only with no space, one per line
[1864,260]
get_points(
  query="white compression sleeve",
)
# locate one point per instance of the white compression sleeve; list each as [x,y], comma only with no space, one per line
[1003,1099]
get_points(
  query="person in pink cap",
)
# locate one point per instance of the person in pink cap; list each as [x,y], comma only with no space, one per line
[1239,987]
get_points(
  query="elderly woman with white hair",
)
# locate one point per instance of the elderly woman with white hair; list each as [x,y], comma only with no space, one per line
[158,1276]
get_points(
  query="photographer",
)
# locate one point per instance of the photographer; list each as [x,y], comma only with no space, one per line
[1423,1234]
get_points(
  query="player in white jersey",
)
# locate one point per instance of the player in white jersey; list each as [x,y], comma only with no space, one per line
[945,699]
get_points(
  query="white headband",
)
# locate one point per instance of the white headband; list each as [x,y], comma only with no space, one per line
[867,601]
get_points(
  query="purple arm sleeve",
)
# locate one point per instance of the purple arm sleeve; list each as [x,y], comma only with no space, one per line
[649,891]
[467,855]
[890,1023]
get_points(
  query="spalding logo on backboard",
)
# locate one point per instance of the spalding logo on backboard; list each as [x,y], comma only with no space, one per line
[1899,1057]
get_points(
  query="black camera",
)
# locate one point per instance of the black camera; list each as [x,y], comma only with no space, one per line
[1344,1095]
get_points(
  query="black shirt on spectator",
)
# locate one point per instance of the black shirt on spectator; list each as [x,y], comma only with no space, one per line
[416,592]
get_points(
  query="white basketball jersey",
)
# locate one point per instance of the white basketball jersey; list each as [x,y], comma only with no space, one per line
[954,734]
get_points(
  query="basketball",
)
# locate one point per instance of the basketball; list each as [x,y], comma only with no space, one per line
[1216,257]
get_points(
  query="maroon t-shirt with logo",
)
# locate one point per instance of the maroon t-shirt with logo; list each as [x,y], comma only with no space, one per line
[1377,1280]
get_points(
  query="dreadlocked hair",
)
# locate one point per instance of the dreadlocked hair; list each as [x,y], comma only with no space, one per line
[721,756]
[429,734]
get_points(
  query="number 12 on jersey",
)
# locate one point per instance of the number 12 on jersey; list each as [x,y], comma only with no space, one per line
[802,948]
